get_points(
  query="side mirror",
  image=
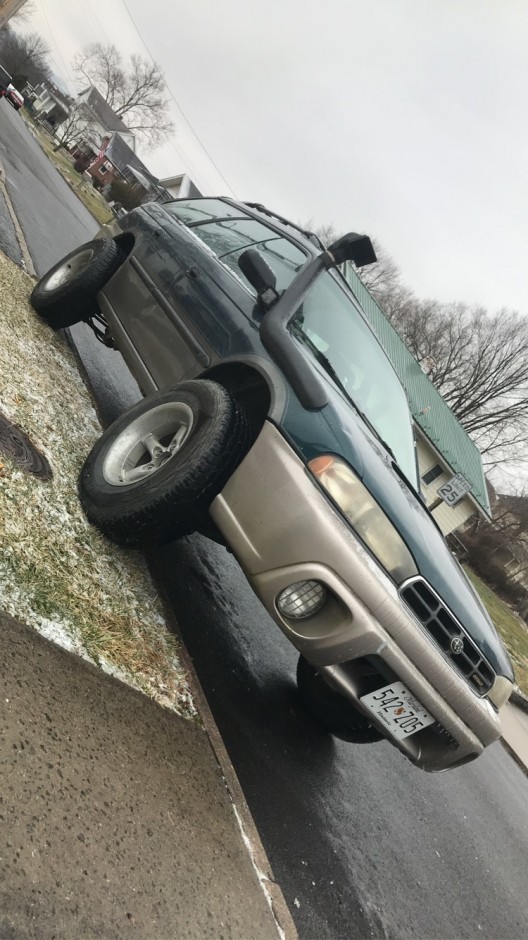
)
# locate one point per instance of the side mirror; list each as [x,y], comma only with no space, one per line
[260,275]
[352,247]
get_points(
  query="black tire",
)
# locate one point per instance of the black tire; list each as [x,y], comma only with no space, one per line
[74,298]
[173,499]
[332,710]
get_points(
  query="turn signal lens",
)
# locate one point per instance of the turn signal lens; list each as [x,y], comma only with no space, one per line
[364,514]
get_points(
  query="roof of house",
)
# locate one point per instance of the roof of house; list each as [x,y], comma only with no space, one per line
[123,158]
[429,410]
[107,116]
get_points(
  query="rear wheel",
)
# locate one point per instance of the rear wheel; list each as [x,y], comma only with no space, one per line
[331,710]
[153,474]
[68,292]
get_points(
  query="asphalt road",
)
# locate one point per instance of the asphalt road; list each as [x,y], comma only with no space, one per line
[362,843]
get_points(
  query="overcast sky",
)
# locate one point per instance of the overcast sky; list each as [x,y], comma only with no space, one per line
[405,119]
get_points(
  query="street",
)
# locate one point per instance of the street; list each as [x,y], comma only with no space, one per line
[362,843]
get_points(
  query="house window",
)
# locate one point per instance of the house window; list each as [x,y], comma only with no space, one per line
[432,474]
[103,168]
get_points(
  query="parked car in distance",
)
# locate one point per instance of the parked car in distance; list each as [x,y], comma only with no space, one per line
[15,98]
[5,81]
[274,422]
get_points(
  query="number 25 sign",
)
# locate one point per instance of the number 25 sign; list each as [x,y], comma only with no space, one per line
[454,490]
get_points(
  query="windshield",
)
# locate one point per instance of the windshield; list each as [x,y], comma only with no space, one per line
[328,323]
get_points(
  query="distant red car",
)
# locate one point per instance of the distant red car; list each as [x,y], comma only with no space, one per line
[13,96]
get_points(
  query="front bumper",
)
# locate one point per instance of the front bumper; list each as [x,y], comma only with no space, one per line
[282,529]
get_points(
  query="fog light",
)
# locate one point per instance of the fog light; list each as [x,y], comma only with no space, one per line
[302,599]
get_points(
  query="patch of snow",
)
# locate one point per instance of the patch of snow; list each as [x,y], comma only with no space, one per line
[263,879]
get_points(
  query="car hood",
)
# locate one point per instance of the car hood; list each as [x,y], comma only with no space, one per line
[407,512]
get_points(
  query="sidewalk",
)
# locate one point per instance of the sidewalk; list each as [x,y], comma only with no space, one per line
[514,722]
[114,812]
[115,818]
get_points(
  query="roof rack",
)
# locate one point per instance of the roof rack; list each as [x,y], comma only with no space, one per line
[311,236]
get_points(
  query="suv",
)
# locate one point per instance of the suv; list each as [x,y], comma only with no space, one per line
[273,422]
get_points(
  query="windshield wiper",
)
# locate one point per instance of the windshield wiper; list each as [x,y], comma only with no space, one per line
[321,358]
[328,367]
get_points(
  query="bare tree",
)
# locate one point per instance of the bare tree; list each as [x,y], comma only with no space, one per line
[136,91]
[24,57]
[510,516]
[479,363]
[384,281]
[383,278]
[77,126]
[326,232]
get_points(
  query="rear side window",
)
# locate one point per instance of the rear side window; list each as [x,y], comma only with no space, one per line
[228,238]
[284,259]
[228,235]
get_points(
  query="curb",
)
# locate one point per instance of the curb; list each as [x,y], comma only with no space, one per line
[272,891]
[519,700]
[514,756]
[24,250]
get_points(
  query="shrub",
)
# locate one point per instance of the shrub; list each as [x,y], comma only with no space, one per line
[130,197]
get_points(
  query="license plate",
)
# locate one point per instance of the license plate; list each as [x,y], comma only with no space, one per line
[398,709]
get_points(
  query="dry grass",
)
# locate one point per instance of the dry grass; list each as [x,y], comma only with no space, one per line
[57,573]
[513,631]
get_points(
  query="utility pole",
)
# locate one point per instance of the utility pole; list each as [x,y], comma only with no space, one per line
[8,8]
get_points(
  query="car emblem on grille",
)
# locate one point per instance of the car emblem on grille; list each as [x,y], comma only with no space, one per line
[457,645]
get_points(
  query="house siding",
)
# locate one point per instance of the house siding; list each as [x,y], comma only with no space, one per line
[448,518]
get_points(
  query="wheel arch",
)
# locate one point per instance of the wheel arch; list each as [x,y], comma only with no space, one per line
[255,384]
[126,242]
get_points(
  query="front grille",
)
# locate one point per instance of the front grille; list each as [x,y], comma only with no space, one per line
[448,634]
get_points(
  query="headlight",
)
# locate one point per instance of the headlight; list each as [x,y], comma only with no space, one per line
[364,515]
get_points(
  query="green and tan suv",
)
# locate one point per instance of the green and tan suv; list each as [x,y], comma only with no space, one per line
[273,421]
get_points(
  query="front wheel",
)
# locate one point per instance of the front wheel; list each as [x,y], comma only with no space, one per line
[68,292]
[331,710]
[153,474]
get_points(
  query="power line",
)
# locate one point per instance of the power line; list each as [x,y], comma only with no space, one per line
[54,41]
[81,4]
[178,106]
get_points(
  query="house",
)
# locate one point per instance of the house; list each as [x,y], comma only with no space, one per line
[117,161]
[48,104]
[444,448]
[103,120]
[179,187]
[511,513]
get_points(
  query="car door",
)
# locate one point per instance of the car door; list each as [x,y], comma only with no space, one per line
[137,296]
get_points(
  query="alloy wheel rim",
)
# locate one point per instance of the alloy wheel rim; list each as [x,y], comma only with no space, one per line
[147,444]
[69,269]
